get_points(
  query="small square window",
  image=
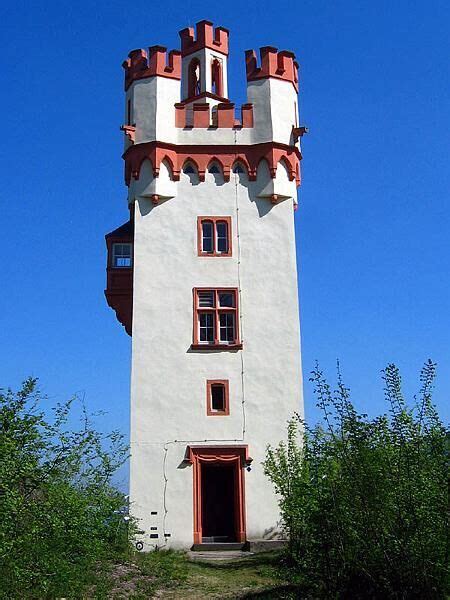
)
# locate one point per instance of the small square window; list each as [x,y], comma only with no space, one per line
[122,256]
[217,397]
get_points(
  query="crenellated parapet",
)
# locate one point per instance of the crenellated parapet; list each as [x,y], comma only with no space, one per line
[204,115]
[177,110]
[141,65]
[206,36]
[279,65]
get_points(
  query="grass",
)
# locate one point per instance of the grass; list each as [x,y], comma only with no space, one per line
[172,575]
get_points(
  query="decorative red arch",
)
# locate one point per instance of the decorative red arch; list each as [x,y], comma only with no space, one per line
[215,161]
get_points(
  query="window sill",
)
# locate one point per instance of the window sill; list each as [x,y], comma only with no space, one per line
[216,346]
[215,254]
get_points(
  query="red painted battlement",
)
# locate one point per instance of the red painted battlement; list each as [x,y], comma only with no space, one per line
[140,65]
[280,65]
[207,37]
[222,115]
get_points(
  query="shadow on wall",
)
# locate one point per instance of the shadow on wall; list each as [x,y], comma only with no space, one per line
[272,533]
[254,188]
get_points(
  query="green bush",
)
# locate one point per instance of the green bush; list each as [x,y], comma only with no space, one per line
[60,515]
[365,501]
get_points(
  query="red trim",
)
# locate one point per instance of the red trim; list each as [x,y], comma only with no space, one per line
[130,132]
[203,95]
[237,455]
[201,115]
[214,221]
[177,155]
[221,115]
[207,37]
[280,65]
[203,346]
[216,311]
[209,409]
[139,65]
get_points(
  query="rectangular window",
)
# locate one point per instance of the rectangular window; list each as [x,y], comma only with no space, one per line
[122,255]
[216,318]
[214,236]
[206,327]
[217,397]
[207,237]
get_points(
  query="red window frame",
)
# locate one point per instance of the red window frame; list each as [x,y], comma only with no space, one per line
[209,407]
[216,311]
[214,221]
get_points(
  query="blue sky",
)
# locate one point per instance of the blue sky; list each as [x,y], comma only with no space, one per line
[373,221]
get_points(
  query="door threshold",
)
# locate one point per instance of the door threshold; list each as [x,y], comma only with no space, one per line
[219,546]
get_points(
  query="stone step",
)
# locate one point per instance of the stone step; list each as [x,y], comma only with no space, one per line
[217,546]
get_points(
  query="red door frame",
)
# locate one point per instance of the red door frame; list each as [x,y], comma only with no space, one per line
[231,455]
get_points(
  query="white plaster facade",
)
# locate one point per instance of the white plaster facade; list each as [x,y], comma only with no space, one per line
[168,381]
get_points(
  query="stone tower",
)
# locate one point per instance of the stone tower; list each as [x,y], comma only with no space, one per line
[203,276]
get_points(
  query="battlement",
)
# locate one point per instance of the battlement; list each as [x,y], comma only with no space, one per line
[221,115]
[207,37]
[141,64]
[281,65]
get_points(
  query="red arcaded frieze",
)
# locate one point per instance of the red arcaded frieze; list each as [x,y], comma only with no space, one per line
[202,156]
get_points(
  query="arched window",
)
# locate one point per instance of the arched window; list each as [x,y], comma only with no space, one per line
[216,77]
[194,85]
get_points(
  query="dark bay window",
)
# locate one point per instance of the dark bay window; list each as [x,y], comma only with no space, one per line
[122,255]
[214,236]
[216,317]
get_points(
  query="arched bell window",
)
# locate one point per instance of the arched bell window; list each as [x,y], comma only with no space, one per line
[194,80]
[216,77]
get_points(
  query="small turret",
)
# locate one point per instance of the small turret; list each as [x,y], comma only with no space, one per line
[279,65]
[272,88]
[204,63]
[139,65]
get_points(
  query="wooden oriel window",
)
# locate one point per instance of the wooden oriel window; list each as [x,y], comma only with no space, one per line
[216,323]
[217,397]
[214,236]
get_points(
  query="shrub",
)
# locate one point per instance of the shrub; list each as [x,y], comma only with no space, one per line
[60,514]
[365,501]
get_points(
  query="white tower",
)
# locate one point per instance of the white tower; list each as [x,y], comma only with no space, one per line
[204,278]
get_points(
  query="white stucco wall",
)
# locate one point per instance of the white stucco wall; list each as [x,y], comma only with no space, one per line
[274,111]
[168,389]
